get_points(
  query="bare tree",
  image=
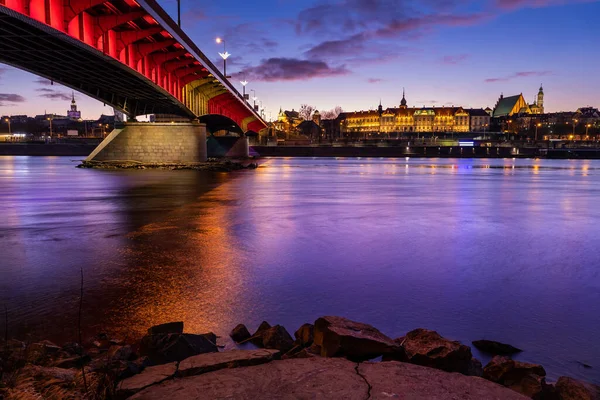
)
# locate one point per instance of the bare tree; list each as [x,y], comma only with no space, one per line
[332,114]
[306,111]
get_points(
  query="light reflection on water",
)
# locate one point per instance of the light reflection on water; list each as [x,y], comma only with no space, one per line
[498,249]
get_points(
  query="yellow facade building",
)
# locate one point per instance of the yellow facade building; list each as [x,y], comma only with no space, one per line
[405,119]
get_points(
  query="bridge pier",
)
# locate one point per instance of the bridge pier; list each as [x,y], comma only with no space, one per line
[154,143]
[228,147]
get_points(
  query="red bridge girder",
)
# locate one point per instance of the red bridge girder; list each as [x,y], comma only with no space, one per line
[126,30]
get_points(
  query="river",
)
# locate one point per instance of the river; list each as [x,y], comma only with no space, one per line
[501,249]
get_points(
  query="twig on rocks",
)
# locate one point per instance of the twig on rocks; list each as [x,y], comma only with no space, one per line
[85,386]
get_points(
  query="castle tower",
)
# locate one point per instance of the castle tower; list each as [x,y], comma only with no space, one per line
[403,101]
[540,99]
[317,117]
[380,108]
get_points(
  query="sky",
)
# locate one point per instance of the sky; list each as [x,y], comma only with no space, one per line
[356,53]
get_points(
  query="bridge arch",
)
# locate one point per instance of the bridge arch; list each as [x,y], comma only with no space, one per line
[218,123]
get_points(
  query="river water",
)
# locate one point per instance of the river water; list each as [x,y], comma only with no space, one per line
[498,249]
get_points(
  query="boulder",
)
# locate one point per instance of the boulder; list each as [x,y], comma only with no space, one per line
[475,368]
[525,378]
[150,376]
[72,362]
[170,327]
[277,338]
[430,349]
[119,353]
[262,327]
[573,389]
[165,348]
[228,359]
[339,336]
[303,352]
[305,335]
[495,348]
[240,333]
[61,374]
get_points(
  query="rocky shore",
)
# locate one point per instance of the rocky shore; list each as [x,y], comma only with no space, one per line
[332,358]
[213,165]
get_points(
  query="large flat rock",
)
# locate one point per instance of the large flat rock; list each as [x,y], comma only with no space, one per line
[208,362]
[308,378]
[149,376]
[398,380]
[329,378]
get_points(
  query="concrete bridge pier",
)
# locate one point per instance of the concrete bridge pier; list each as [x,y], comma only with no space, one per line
[228,147]
[154,143]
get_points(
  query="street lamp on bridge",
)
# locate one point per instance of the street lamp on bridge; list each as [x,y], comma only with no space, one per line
[244,83]
[254,98]
[224,55]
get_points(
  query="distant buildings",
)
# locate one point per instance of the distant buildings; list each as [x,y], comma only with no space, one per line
[406,120]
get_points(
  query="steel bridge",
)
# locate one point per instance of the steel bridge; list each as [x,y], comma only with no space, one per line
[128,54]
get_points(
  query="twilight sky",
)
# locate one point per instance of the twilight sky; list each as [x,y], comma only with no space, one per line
[352,53]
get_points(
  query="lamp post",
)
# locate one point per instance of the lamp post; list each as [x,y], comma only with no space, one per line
[574,125]
[587,127]
[224,55]
[8,121]
[179,13]
[50,119]
[536,129]
[244,83]
[254,98]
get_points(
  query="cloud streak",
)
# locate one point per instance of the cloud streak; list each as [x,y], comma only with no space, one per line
[9,99]
[291,69]
[521,74]
[454,59]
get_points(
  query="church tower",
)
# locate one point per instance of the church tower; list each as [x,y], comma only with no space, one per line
[380,108]
[540,99]
[403,101]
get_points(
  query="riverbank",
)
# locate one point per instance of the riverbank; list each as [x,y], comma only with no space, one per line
[212,165]
[327,359]
[425,151]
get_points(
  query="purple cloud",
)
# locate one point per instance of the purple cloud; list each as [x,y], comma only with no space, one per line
[374,80]
[12,98]
[521,74]
[291,69]
[455,59]
[53,94]
[43,81]
[516,4]
[8,99]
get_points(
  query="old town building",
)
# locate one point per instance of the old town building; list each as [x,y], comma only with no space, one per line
[406,120]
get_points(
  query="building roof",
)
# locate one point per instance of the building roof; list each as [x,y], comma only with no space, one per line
[477,112]
[505,105]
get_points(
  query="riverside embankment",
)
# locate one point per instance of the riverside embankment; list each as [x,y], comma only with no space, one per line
[427,151]
[328,359]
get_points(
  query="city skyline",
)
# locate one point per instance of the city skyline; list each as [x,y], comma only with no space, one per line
[448,53]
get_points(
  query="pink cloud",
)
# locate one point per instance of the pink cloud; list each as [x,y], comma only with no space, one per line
[521,74]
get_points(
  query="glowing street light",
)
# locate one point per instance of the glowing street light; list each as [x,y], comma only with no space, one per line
[8,121]
[536,129]
[574,125]
[224,55]
[50,119]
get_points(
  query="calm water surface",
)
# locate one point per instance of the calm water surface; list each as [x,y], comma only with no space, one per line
[499,249]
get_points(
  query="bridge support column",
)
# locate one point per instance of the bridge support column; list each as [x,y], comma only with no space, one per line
[228,146]
[154,143]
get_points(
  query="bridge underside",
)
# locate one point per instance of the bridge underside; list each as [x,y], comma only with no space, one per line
[40,49]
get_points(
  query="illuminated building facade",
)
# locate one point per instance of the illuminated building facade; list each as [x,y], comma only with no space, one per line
[406,119]
[73,113]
